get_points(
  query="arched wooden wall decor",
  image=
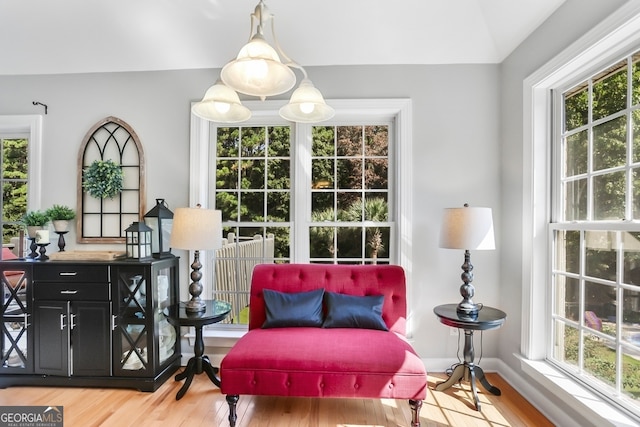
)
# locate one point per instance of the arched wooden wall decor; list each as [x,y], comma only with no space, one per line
[104,220]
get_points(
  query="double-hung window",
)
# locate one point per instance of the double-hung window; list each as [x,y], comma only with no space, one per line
[595,231]
[326,193]
[20,154]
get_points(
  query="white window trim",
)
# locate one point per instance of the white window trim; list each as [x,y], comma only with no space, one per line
[613,37]
[400,109]
[31,125]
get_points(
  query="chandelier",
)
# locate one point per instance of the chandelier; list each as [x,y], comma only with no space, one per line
[259,71]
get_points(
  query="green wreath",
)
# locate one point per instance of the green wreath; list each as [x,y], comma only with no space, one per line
[102,179]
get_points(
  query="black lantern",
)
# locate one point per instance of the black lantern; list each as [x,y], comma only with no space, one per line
[138,241]
[160,219]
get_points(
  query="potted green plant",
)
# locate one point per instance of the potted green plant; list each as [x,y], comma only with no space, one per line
[102,179]
[34,220]
[60,215]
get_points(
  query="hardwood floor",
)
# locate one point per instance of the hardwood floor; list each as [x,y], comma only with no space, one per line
[203,405]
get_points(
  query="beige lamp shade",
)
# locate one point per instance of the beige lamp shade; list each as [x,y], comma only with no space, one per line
[196,229]
[467,228]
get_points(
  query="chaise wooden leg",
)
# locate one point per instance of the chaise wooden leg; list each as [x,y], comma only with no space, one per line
[232,400]
[415,412]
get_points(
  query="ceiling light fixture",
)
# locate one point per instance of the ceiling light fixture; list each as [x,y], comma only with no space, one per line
[258,71]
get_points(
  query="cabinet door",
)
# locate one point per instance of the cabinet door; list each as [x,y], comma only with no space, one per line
[134,327]
[51,328]
[91,338]
[16,330]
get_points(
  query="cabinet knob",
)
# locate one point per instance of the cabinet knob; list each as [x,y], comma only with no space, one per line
[68,273]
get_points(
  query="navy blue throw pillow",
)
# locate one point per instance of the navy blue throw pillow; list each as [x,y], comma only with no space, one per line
[292,309]
[351,311]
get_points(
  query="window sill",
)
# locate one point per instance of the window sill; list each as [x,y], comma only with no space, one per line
[574,395]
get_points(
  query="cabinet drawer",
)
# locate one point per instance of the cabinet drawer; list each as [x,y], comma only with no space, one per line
[72,273]
[72,291]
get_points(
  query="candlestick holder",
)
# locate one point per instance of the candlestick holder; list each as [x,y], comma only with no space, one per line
[43,251]
[61,242]
[33,247]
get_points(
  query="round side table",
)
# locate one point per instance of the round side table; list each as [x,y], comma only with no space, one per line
[488,318]
[215,312]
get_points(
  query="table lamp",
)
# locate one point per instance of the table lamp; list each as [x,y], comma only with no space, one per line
[469,229]
[196,229]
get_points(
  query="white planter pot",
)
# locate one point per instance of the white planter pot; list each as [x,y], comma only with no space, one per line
[60,225]
[31,230]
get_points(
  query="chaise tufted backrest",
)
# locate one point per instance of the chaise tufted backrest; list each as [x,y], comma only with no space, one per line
[360,280]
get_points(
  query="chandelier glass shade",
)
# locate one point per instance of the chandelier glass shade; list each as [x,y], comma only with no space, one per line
[259,71]
[221,104]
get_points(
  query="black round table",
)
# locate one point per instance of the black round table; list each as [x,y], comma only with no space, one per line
[215,312]
[487,318]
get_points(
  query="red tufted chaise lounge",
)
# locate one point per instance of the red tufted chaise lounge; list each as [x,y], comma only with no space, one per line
[320,362]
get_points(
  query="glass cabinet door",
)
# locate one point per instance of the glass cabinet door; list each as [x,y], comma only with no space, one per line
[133,321]
[15,349]
[146,334]
[167,332]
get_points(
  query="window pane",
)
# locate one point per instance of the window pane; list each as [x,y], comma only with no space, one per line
[609,196]
[635,100]
[377,241]
[631,373]
[227,202]
[350,242]
[322,173]
[252,206]
[227,174]
[323,141]
[278,174]
[15,185]
[631,247]
[349,141]
[576,153]
[575,200]
[631,316]
[600,358]
[567,292]
[565,343]
[610,91]
[600,300]
[600,254]
[610,144]
[253,174]
[278,204]
[376,207]
[576,107]
[322,242]
[376,173]
[567,251]
[227,142]
[349,174]
[376,141]
[279,141]
[635,120]
[322,207]
[635,175]
[253,142]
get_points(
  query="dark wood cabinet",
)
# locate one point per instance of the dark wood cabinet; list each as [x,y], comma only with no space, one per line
[89,323]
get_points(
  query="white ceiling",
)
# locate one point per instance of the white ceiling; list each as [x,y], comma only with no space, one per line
[77,36]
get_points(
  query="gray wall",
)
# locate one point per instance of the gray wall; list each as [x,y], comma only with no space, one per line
[455,152]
